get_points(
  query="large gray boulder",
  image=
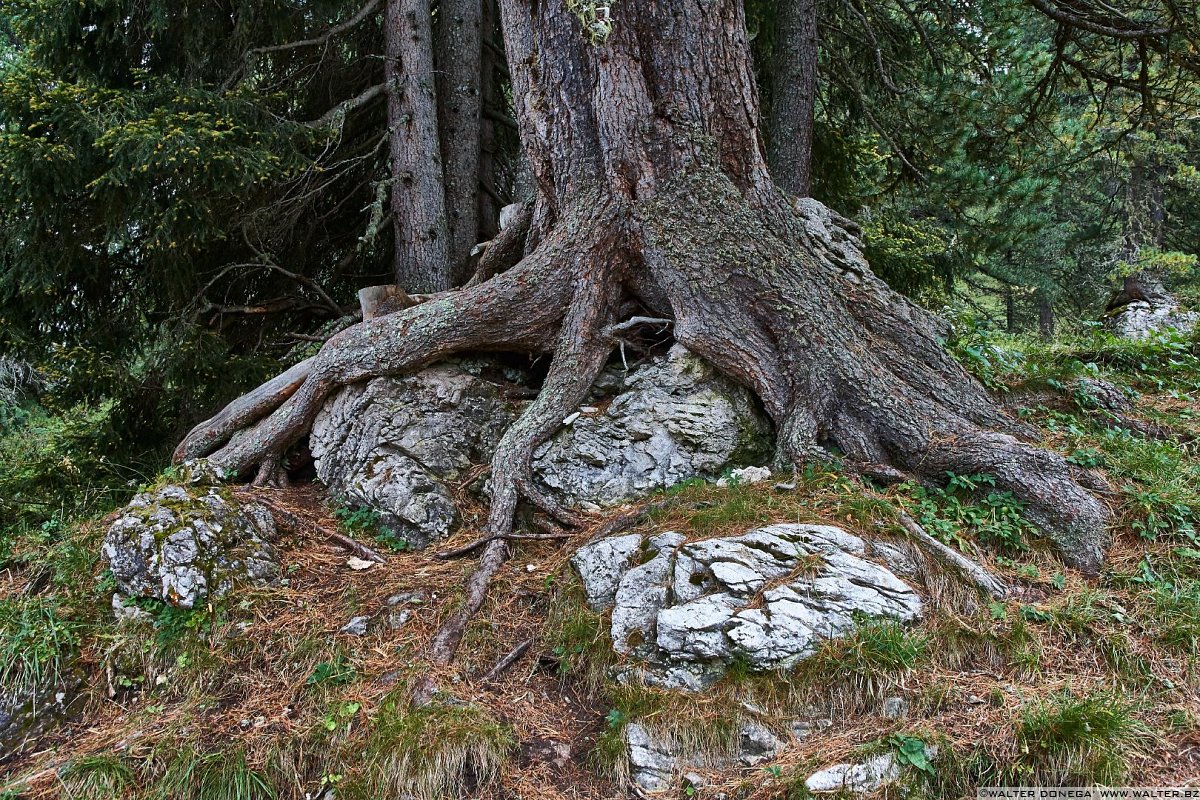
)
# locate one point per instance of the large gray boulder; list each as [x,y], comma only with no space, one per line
[1142,319]
[395,445]
[183,543]
[769,597]
[671,419]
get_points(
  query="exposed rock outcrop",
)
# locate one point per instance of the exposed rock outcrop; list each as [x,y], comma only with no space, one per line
[1140,319]
[393,444]
[186,542]
[868,776]
[769,597]
[396,444]
[652,762]
[1143,307]
[671,419]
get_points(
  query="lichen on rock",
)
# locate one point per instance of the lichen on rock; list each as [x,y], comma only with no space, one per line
[397,445]
[393,444]
[770,597]
[185,542]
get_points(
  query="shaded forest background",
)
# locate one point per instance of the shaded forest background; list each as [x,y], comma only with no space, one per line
[193,192]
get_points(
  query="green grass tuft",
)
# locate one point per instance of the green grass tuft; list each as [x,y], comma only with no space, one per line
[97,777]
[435,751]
[1067,739]
[37,644]
[870,660]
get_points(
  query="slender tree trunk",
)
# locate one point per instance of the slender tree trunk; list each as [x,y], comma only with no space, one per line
[653,193]
[457,45]
[490,97]
[1045,308]
[418,201]
[1010,311]
[794,96]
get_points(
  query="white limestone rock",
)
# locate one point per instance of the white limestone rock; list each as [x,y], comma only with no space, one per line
[395,444]
[863,778]
[651,760]
[671,419]
[688,608]
[1141,319]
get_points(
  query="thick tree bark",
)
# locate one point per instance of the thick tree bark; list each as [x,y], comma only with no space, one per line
[793,95]
[652,187]
[422,231]
[490,95]
[457,46]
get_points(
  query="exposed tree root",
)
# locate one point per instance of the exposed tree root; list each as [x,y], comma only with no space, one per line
[967,569]
[505,663]
[581,354]
[841,363]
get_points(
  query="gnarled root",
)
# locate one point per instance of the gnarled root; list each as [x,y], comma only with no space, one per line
[581,354]
[519,310]
[840,362]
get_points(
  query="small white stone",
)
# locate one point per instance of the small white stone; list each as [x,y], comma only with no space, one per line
[860,778]
[571,418]
[894,708]
[359,564]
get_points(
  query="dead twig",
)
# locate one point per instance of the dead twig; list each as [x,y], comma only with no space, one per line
[503,664]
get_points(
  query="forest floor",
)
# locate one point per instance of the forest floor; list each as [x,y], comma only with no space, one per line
[1072,680]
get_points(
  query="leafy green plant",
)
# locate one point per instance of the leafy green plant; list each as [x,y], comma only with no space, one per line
[970,504]
[356,519]
[173,623]
[912,751]
[336,672]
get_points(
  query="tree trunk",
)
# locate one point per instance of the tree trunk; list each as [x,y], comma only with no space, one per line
[794,95]
[654,193]
[422,260]
[1144,228]
[1045,309]
[490,96]
[457,44]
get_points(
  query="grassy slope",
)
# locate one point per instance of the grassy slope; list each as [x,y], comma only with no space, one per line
[1070,681]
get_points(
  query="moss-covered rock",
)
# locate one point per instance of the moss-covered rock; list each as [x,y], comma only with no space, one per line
[185,542]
